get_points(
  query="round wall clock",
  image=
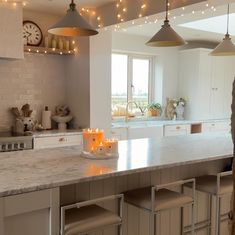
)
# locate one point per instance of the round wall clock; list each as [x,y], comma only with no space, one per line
[32,34]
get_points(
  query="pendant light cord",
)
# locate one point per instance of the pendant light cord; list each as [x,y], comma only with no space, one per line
[167,7]
[228,19]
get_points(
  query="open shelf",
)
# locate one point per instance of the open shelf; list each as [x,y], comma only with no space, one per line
[196,128]
[44,50]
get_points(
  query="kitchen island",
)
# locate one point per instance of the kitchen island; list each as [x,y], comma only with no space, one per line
[141,162]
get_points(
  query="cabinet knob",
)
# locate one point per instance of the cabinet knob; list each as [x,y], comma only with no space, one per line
[178,128]
[62,139]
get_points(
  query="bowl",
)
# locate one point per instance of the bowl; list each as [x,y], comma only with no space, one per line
[62,121]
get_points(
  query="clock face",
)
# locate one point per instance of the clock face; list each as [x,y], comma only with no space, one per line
[32,34]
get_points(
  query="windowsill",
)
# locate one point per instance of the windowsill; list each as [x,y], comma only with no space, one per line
[118,119]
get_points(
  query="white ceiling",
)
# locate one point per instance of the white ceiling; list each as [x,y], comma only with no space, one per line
[204,25]
[60,6]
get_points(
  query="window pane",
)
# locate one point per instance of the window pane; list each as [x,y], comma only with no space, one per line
[119,82]
[140,81]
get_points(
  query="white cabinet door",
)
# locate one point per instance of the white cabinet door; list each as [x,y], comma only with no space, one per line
[119,133]
[217,87]
[145,132]
[195,82]
[177,130]
[34,213]
[228,82]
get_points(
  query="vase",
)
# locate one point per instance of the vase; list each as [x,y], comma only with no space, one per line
[179,111]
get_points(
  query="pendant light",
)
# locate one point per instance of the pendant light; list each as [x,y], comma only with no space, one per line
[72,24]
[226,47]
[166,36]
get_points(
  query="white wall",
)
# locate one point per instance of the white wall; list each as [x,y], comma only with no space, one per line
[38,80]
[166,63]
[78,84]
[11,39]
[100,80]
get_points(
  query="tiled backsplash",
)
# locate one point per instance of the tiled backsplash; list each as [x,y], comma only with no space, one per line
[38,80]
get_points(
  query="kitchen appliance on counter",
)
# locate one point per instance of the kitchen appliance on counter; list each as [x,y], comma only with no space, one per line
[15,142]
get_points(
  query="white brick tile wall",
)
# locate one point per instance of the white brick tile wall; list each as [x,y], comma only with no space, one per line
[38,80]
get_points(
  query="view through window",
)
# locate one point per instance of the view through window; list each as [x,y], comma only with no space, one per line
[131,78]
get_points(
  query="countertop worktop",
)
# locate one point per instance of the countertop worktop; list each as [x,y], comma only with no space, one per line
[33,170]
[151,122]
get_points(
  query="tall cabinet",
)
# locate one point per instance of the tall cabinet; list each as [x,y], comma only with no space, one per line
[206,83]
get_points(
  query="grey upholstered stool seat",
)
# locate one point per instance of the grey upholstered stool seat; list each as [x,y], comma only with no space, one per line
[85,217]
[164,199]
[208,184]
[157,198]
[88,218]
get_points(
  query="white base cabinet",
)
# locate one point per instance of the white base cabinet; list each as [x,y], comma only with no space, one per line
[35,213]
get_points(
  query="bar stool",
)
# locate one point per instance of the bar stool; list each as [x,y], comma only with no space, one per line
[218,186]
[85,217]
[158,198]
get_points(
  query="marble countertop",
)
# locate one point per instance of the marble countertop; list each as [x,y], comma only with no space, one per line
[56,133]
[146,123]
[33,170]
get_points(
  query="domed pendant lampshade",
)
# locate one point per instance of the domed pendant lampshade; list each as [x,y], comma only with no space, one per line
[226,47]
[166,36]
[72,24]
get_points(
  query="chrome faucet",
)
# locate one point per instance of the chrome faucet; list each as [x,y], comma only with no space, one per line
[127,107]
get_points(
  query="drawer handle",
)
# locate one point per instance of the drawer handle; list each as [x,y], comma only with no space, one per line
[178,128]
[212,124]
[62,139]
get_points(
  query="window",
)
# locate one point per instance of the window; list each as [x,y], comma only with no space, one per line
[131,81]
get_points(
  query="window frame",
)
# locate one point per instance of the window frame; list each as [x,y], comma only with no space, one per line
[151,80]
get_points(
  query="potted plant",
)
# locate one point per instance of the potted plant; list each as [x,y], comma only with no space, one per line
[155,109]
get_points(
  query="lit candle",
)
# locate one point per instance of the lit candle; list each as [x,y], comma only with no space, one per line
[111,146]
[92,139]
[100,149]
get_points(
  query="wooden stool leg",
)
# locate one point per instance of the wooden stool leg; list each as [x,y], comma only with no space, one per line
[182,215]
[152,223]
[210,214]
[193,219]
[120,230]
[217,224]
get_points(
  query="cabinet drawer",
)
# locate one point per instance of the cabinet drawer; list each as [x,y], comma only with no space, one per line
[177,130]
[57,141]
[216,127]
